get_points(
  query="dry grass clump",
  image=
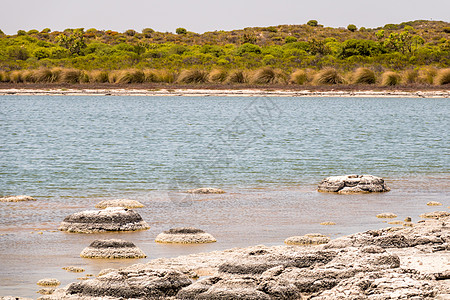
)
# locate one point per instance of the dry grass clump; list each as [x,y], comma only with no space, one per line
[151,76]
[443,77]
[28,76]
[390,78]
[364,76]
[131,76]
[4,77]
[99,76]
[165,76]
[46,75]
[268,76]
[328,76]
[237,76]
[72,76]
[16,76]
[218,75]
[193,76]
[427,75]
[298,77]
[410,76]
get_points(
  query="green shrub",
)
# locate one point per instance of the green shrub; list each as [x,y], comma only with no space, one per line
[147,32]
[33,31]
[130,32]
[290,39]
[446,29]
[248,48]
[352,27]
[181,30]
[46,30]
[21,32]
[299,77]
[364,76]
[312,23]
[193,76]
[328,76]
[390,78]
[443,77]
[1,32]
[41,53]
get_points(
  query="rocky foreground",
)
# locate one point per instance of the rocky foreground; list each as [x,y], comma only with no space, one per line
[392,263]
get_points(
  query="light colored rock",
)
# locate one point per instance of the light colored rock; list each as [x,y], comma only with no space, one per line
[73,269]
[434,203]
[48,282]
[185,235]
[353,184]
[435,215]
[18,198]
[119,203]
[112,249]
[109,219]
[14,298]
[206,191]
[46,291]
[307,239]
[396,222]
[327,223]
[387,216]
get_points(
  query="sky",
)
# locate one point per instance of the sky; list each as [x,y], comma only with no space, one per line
[209,15]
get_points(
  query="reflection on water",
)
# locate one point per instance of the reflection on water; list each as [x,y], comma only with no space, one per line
[268,154]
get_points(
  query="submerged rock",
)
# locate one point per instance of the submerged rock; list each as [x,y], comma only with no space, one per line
[185,235]
[120,203]
[307,239]
[328,223]
[206,191]
[110,219]
[434,203]
[48,282]
[112,249]
[387,216]
[351,184]
[73,269]
[435,215]
[18,198]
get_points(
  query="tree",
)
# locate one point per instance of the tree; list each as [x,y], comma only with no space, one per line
[181,30]
[352,27]
[312,23]
[73,42]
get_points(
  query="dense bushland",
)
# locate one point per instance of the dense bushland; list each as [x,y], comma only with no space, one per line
[417,52]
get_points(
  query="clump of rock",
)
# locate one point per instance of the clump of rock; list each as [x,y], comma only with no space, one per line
[353,184]
[206,191]
[112,249]
[120,203]
[73,269]
[390,263]
[18,198]
[328,223]
[185,235]
[307,239]
[48,282]
[435,215]
[386,216]
[109,219]
[434,203]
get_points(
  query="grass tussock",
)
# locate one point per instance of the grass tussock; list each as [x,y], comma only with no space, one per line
[218,75]
[427,75]
[72,76]
[4,76]
[410,76]
[28,76]
[237,77]
[268,76]
[298,77]
[443,77]
[131,76]
[193,76]
[390,78]
[364,76]
[16,76]
[98,76]
[328,76]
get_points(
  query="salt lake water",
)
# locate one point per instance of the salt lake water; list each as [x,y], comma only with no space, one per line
[269,154]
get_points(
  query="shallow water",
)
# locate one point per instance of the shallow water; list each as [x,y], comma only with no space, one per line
[267,153]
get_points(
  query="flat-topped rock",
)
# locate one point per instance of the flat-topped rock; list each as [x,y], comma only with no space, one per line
[112,249]
[18,198]
[185,235]
[126,203]
[109,219]
[48,282]
[353,184]
[435,215]
[386,216]
[307,239]
[206,191]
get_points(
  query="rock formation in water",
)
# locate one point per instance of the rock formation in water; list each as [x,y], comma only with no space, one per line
[206,191]
[18,198]
[353,184]
[185,235]
[391,263]
[48,282]
[120,203]
[109,219]
[307,239]
[112,249]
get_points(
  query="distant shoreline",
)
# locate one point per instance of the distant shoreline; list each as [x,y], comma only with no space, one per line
[224,91]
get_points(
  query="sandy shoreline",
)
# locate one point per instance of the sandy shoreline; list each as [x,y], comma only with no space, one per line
[226,92]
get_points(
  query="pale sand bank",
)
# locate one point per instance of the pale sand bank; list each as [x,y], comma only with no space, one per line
[225,93]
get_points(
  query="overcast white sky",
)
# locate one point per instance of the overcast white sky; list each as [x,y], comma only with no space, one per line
[209,15]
